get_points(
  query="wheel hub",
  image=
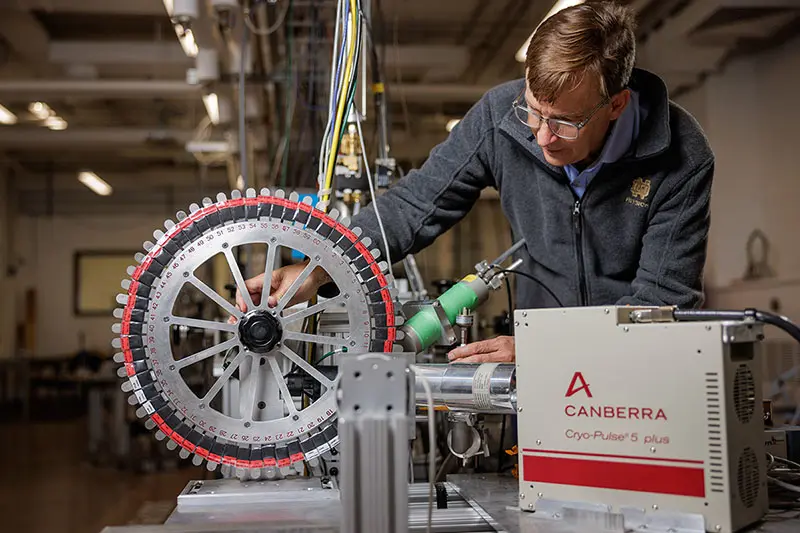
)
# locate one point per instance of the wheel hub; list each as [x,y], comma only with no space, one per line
[260,332]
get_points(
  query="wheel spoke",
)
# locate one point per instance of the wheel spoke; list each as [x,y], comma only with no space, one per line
[292,290]
[239,280]
[278,376]
[314,309]
[249,388]
[205,354]
[214,295]
[305,365]
[269,267]
[226,375]
[203,324]
[317,339]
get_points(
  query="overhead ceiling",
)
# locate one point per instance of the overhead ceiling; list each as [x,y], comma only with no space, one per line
[117,74]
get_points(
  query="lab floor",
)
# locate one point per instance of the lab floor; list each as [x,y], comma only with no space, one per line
[47,483]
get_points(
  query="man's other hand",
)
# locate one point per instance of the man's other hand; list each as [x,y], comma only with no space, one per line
[497,350]
[282,279]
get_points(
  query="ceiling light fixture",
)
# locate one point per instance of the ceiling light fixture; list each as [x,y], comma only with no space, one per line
[211,102]
[186,38]
[6,116]
[558,6]
[40,110]
[95,183]
[55,123]
[452,124]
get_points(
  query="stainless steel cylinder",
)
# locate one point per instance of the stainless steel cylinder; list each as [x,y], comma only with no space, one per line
[477,388]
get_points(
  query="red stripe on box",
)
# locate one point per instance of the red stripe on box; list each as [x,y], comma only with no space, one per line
[636,477]
[606,455]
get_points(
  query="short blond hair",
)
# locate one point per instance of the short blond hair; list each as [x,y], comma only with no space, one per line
[595,38]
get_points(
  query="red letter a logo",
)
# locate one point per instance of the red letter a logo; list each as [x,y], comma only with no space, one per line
[576,380]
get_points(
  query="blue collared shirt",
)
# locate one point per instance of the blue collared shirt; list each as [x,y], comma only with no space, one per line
[623,134]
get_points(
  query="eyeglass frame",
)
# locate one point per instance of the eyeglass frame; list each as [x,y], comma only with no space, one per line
[578,126]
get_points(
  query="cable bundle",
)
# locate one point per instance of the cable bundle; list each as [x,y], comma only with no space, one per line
[784,485]
[345,57]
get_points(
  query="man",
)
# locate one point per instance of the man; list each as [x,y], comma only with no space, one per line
[604,177]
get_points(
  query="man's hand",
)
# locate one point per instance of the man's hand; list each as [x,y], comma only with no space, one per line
[282,279]
[497,350]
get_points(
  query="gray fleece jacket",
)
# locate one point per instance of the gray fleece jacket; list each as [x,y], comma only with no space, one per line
[637,236]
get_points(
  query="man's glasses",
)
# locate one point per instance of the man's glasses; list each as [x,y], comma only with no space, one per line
[560,128]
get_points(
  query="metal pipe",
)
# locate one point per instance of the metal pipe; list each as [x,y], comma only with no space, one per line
[505,255]
[477,388]
[129,88]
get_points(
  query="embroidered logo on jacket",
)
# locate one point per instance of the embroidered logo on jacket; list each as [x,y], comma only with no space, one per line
[640,190]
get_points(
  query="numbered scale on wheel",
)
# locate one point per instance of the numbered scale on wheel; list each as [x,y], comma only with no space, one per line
[271,434]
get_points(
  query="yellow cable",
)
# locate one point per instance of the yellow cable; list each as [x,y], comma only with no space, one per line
[340,111]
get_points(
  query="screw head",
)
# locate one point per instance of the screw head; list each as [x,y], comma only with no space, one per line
[516,323]
[519,409]
[538,442]
[521,495]
[352,343]
[346,296]
[530,505]
[273,239]
[202,406]
[296,418]
[653,449]
[540,494]
[655,507]
[708,328]
[316,258]
[524,313]
[224,244]
[626,329]
[556,515]
[172,367]
[247,424]
[718,527]
[166,319]
[606,311]
[185,274]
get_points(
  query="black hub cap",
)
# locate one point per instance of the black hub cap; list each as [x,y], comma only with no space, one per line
[260,332]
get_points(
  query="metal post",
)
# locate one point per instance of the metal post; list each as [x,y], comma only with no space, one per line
[374,427]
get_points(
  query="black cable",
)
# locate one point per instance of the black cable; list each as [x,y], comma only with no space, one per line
[501,450]
[510,299]
[753,314]
[532,278]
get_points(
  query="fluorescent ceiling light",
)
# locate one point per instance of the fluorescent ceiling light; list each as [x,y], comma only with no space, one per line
[95,183]
[6,116]
[40,110]
[212,107]
[452,124]
[55,123]
[558,6]
[186,38]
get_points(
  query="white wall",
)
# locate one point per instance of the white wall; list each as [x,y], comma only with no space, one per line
[46,246]
[751,115]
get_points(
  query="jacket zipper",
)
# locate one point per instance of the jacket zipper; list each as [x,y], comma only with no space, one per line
[576,225]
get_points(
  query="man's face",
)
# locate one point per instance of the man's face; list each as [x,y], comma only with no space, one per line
[575,106]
